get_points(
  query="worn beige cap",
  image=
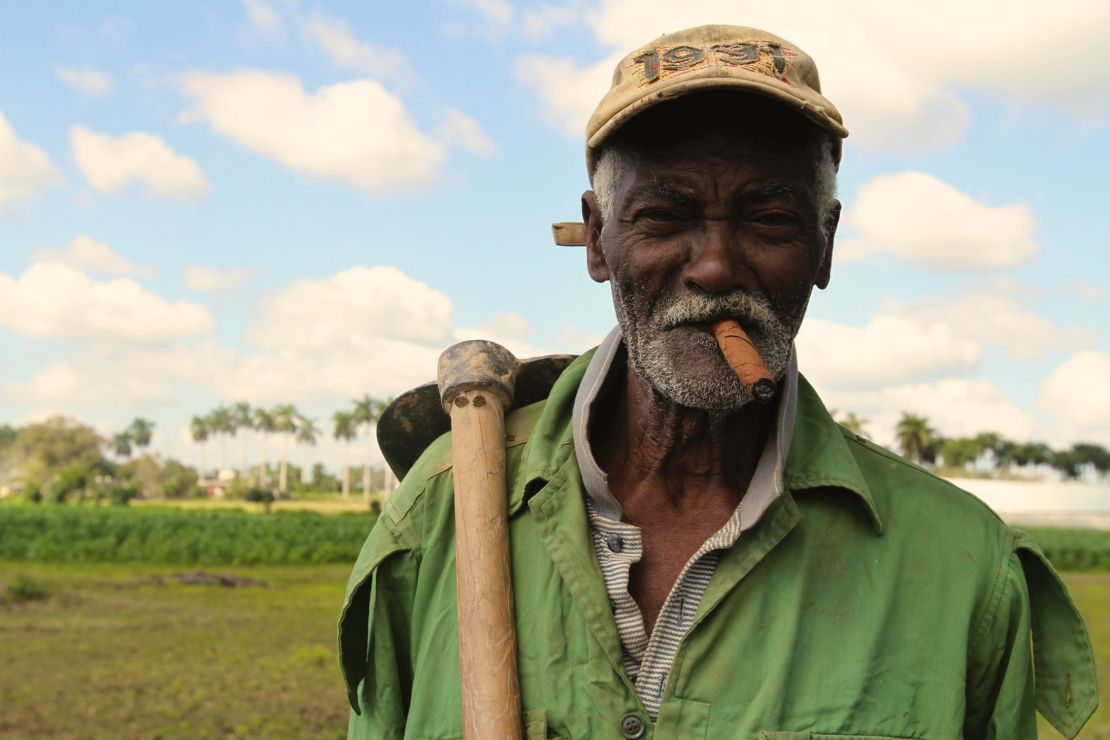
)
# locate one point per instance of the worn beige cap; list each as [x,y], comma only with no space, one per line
[711,58]
[706,58]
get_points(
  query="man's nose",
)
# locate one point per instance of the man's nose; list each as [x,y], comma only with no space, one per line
[716,264]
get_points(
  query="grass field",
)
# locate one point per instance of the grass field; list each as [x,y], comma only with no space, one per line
[123,650]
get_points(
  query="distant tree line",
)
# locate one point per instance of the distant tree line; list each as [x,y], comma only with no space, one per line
[918,441]
[60,460]
[291,427]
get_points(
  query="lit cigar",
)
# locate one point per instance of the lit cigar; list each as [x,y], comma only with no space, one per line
[744,359]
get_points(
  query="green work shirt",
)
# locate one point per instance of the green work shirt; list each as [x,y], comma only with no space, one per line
[872,600]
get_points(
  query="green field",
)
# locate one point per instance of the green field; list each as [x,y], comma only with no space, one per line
[126,650]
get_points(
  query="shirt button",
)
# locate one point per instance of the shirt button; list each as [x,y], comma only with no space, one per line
[632,727]
[615,543]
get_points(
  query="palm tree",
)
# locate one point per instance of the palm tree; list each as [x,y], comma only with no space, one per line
[219,422]
[265,423]
[344,429]
[198,428]
[1033,454]
[915,437]
[121,444]
[241,420]
[285,423]
[854,424]
[366,413]
[141,430]
[307,432]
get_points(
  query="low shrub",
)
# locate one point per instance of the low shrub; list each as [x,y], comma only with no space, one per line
[22,590]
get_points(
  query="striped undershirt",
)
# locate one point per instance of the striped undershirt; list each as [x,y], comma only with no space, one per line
[619,544]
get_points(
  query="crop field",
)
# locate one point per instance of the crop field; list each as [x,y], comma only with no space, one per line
[172,535]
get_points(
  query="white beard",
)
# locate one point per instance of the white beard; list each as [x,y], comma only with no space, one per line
[656,355]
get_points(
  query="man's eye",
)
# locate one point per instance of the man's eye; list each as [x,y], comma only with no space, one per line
[657,215]
[775,219]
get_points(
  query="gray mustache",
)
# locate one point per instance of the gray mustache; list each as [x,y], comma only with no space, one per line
[699,308]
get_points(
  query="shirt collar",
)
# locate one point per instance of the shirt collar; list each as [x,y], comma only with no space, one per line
[767,481]
[822,454]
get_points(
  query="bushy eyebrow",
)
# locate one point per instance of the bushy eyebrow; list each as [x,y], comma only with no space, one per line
[670,193]
[681,196]
[772,191]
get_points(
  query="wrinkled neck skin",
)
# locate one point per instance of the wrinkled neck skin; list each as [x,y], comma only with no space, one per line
[663,459]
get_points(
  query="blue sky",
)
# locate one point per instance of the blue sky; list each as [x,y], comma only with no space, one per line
[291,201]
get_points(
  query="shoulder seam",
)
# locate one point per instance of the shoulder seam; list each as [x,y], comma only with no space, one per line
[886,454]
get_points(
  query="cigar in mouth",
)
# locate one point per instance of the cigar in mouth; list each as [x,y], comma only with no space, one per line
[744,359]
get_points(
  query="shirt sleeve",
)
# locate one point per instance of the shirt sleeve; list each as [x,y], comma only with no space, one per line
[374,631]
[380,699]
[1032,653]
[1000,701]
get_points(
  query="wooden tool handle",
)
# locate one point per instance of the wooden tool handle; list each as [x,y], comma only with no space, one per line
[476,381]
[487,633]
[744,359]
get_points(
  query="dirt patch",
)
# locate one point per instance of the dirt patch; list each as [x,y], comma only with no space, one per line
[200,578]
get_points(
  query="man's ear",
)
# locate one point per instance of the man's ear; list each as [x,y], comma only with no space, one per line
[824,272]
[595,257]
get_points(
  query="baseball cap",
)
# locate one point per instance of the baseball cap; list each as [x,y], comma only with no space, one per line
[706,58]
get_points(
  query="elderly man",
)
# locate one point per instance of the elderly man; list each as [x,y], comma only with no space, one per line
[687,562]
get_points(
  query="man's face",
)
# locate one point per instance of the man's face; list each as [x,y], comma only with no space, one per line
[714,218]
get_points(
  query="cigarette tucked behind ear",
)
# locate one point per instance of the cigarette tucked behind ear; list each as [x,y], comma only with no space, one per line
[744,359]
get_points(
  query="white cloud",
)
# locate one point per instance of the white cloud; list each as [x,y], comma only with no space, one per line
[126,378]
[568,94]
[86,80]
[54,300]
[510,330]
[347,52]
[540,22]
[889,350]
[86,253]
[1075,393]
[205,279]
[264,19]
[994,318]
[353,310]
[24,168]
[497,15]
[464,131]
[572,340]
[895,71]
[355,132]
[929,223]
[111,164]
[1087,290]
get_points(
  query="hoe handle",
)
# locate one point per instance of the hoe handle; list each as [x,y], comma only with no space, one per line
[476,381]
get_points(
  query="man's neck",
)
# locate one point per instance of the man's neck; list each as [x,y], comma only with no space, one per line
[662,459]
